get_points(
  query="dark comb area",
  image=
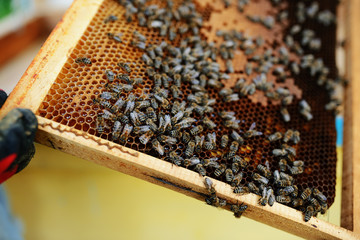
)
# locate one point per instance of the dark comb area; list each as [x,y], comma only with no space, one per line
[70,100]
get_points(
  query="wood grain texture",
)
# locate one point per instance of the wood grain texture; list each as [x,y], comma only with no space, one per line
[41,74]
[350,218]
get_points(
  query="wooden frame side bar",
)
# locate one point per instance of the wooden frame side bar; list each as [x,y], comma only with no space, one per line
[350,215]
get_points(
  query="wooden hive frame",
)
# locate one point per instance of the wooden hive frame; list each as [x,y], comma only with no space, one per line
[43,71]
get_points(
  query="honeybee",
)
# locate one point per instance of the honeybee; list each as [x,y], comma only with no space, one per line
[110,18]
[167,139]
[130,104]
[288,135]
[282,165]
[200,169]
[290,150]
[308,213]
[306,194]
[270,197]
[319,195]
[241,161]
[224,141]
[141,129]
[109,95]
[236,136]
[253,188]
[211,143]
[134,116]
[283,183]
[151,114]
[295,170]
[209,186]
[125,133]
[191,162]
[274,137]
[241,190]
[237,179]
[176,92]
[177,80]
[210,162]
[287,190]
[283,199]
[263,200]
[276,175]
[280,152]
[100,124]
[315,204]
[110,75]
[257,177]
[139,36]
[186,137]
[220,170]
[196,130]
[148,61]
[298,202]
[232,123]
[215,201]
[124,66]
[104,103]
[238,210]
[175,158]
[83,60]
[285,114]
[229,175]
[296,137]
[286,176]
[264,170]
[208,123]
[190,148]
[234,146]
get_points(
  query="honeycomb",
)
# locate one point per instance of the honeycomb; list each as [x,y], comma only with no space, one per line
[70,99]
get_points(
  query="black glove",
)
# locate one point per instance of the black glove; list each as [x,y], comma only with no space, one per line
[17,132]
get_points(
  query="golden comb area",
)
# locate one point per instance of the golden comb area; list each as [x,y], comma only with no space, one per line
[70,99]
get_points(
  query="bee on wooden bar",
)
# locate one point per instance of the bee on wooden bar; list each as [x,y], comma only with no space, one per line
[263,200]
[241,190]
[209,186]
[200,169]
[237,179]
[253,188]
[270,197]
[238,210]
[298,202]
[308,213]
[215,201]
[191,162]
[175,158]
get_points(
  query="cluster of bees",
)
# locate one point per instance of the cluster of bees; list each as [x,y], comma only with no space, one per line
[193,64]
